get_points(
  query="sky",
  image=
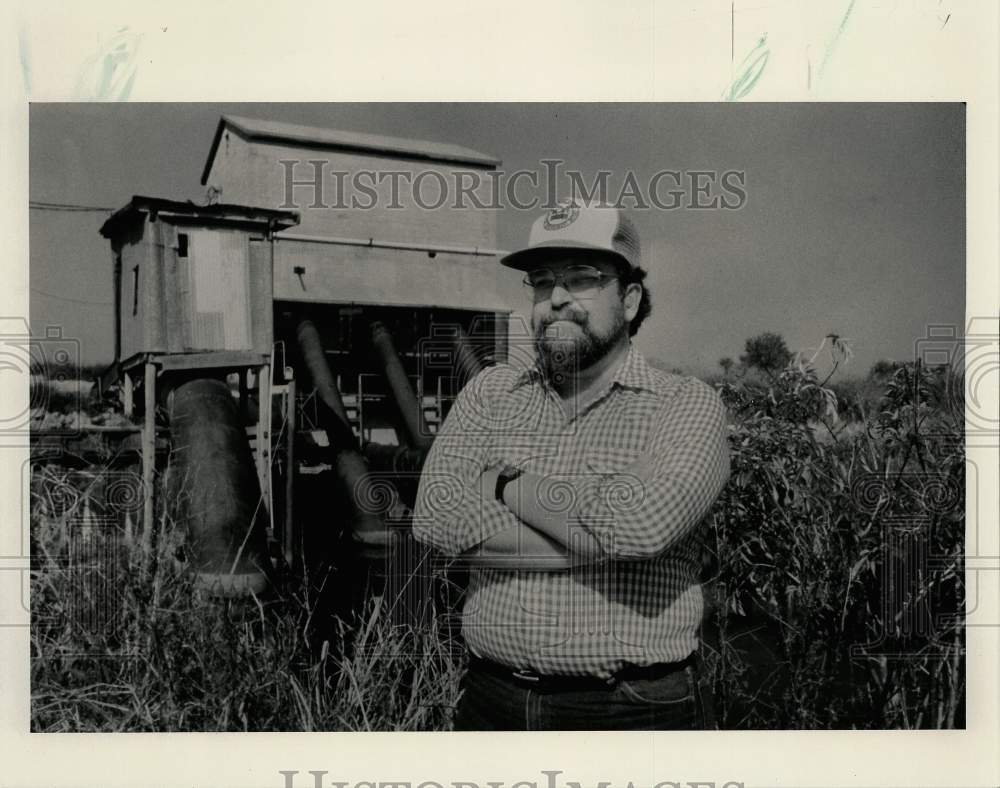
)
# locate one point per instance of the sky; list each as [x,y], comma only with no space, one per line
[853,220]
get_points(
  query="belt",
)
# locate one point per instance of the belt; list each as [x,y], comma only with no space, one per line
[531,680]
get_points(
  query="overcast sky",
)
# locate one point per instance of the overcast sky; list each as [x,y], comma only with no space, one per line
[853,223]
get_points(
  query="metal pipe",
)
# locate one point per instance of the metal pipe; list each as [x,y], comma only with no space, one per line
[336,240]
[362,493]
[214,489]
[312,352]
[417,434]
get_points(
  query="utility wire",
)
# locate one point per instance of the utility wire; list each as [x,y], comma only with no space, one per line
[66,298]
[62,206]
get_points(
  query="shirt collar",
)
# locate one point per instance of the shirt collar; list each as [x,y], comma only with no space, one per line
[635,372]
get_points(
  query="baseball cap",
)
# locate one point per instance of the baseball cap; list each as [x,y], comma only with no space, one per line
[574,224]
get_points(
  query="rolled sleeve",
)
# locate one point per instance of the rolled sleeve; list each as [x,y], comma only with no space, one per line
[639,514]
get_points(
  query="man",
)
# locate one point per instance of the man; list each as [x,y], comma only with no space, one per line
[575,491]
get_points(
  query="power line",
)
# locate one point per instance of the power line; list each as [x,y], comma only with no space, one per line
[63,206]
[66,298]
[74,207]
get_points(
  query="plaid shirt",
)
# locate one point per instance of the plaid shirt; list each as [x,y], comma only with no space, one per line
[643,604]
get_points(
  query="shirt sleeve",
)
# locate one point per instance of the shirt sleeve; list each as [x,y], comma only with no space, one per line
[640,515]
[450,515]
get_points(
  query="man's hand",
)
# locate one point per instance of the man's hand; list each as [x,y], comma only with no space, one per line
[549,526]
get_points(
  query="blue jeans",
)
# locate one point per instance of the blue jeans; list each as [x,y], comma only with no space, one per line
[677,701]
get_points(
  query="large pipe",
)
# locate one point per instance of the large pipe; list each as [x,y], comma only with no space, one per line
[360,490]
[417,434]
[214,489]
[312,351]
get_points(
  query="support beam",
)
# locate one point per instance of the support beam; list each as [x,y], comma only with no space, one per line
[148,453]
[290,541]
[263,457]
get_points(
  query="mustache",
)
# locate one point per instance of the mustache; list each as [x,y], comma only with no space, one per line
[570,317]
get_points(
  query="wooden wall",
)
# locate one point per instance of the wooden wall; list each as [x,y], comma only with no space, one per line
[353,274]
[217,296]
[250,173]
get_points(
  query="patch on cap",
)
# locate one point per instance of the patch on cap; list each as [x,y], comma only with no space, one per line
[563,215]
[573,226]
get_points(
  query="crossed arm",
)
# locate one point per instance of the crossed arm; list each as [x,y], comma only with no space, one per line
[541,539]
[668,489]
[484,532]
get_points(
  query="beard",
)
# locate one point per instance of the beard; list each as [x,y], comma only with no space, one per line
[563,353]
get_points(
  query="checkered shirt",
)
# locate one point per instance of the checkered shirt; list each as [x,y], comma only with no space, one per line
[643,603]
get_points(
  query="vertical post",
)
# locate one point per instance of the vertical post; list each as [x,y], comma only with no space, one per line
[361,408]
[439,403]
[264,433]
[290,537]
[148,453]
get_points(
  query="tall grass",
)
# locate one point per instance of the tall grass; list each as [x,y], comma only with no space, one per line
[839,562]
[835,583]
[123,639]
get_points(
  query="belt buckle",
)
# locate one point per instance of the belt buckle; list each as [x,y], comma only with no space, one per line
[526,675]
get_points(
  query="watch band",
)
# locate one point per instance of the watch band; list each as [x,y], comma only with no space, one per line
[507,475]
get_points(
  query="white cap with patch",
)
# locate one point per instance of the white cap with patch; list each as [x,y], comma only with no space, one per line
[578,225]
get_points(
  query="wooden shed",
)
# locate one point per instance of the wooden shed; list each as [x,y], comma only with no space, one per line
[359,240]
[193,291]
[193,278]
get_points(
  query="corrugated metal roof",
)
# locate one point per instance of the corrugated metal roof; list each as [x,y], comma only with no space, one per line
[315,137]
[220,211]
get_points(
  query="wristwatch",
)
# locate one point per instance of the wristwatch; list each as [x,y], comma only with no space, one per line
[507,475]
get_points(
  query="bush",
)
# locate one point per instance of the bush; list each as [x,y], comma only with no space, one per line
[821,549]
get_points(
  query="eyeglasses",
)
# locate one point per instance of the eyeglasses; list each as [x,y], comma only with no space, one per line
[576,279]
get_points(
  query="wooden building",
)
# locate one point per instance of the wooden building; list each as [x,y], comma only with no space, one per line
[193,292]
[192,278]
[359,240]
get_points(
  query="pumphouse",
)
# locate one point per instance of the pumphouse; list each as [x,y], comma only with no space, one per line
[288,336]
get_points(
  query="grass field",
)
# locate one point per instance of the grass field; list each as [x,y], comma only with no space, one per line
[833,569]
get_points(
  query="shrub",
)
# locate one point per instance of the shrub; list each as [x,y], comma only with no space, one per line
[821,549]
